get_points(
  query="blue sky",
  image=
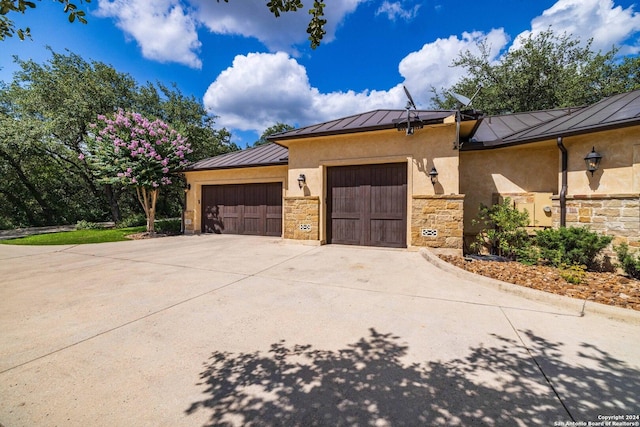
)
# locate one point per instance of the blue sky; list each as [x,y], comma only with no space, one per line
[253,70]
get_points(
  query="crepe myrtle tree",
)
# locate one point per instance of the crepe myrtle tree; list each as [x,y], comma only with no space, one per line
[132,150]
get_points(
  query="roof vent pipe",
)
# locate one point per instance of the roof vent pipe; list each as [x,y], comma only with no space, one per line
[563,189]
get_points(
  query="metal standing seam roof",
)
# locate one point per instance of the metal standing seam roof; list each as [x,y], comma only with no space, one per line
[372,120]
[495,131]
[264,155]
[612,112]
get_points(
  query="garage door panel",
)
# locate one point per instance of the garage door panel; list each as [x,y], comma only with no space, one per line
[346,231]
[387,233]
[254,209]
[366,205]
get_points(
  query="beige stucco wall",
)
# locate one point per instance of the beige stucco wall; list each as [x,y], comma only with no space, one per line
[619,170]
[426,148]
[507,171]
[608,200]
[197,179]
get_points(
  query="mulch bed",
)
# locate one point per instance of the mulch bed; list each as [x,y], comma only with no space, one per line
[605,288]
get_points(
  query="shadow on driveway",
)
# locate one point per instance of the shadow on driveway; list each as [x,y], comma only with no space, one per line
[367,383]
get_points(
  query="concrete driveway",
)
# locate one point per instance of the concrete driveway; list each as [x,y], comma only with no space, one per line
[235,330]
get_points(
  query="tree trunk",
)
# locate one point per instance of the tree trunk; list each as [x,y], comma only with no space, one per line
[148,198]
[113,203]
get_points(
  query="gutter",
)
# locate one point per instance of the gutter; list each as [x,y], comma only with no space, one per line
[563,189]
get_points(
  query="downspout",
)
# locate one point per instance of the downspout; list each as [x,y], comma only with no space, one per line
[563,189]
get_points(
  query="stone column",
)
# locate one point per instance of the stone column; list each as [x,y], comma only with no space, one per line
[436,222]
[302,218]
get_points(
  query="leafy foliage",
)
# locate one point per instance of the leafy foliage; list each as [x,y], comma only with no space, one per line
[45,114]
[547,71]
[570,246]
[7,27]
[315,29]
[133,151]
[503,232]
[277,128]
[629,263]
[573,273]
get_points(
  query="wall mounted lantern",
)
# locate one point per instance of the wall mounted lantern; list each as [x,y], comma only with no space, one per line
[302,180]
[187,187]
[433,174]
[593,160]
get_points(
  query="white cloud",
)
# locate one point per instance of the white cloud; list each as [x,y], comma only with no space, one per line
[251,18]
[601,20]
[397,10]
[431,65]
[260,89]
[163,28]
[166,30]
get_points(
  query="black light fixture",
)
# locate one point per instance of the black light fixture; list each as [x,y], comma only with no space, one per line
[593,160]
[433,174]
[187,187]
[302,180]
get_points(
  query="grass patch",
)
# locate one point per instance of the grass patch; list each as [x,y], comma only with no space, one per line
[78,237]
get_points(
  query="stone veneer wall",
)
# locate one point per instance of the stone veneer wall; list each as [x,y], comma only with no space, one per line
[615,215]
[302,218]
[441,213]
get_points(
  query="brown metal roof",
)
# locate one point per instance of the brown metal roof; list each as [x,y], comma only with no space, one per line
[493,130]
[263,155]
[612,112]
[370,121]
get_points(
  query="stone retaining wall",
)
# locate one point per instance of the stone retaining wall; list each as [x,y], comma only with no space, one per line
[436,222]
[302,218]
[615,215]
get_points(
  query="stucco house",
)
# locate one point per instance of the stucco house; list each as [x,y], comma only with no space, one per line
[416,178]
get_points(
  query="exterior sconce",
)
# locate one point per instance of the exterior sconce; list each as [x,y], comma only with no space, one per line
[433,174]
[593,160]
[302,180]
[187,188]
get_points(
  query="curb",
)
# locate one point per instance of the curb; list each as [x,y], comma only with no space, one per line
[582,307]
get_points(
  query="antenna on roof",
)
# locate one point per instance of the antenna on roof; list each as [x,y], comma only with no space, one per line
[408,107]
[463,102]
[410,103]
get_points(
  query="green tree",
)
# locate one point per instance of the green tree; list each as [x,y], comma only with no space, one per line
[45,113]
[129,149]
[547,71]
[277,128]
[7,27]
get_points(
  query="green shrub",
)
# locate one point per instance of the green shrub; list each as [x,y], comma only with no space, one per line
[87,225]
[168,226]
[529,255]
[573,273]
[135,220]
[629,263]
[570,246]
[503,233]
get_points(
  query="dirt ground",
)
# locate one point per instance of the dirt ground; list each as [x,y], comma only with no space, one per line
[605,288]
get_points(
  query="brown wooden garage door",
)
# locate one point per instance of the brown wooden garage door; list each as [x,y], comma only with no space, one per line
[242,209]
[367,205]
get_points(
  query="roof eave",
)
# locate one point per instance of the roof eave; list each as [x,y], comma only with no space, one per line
[255,165]
[550,136]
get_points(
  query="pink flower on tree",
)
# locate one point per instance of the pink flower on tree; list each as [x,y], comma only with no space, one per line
[133,150]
